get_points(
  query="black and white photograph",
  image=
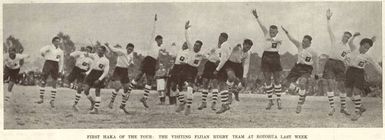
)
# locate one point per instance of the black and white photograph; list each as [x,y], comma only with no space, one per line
[125,65]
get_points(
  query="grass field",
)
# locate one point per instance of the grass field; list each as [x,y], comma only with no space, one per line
[22,113]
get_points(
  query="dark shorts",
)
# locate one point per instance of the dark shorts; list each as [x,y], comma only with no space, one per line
[208,71]
[189,74]
[121,74]
[50,68]
[237,68]
[299,70]
[271,62]
[175,72]
[12,74]
[92,77]
[355,78]
[334,69]
[76,74]
[148,66]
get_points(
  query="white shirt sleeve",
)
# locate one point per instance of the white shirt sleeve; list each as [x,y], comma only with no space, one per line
[44,50]
[106,69]
[75,54]
[246,65]
[118,51]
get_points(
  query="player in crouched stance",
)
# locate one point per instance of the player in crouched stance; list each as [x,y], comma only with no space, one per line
[302,70]
[355,77]
[190,72]
[96,77]
[12,64]
[82,65]
[232,69]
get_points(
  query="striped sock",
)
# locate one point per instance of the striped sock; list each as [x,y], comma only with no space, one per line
[331,99]
[126,95]
[114,94]
[77,98]
[189,96]
[42,90]
[224,96]
[357,103]
[181,97]
[278,91]
[204,95]
[343,100]
[269,91]
[97,102]
[53,94]
[147,89]
[215,95]
[302,96]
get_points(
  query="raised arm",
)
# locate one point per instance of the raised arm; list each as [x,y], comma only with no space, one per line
[263,27]
[116,49]
[61,62]
[75,54]
[293,40]
[187,36]
[153,33]
[351,42]
[331,34]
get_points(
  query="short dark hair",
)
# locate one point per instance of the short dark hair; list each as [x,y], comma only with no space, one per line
[54,38]
[225,35]
[89,47]
[158,37]
[366,40]
[104,48]
[248,41]
[348,33]
[308,37]
[273,27]
[130,45]
[200,42]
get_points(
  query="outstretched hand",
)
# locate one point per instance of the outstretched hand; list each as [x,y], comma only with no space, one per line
[284,30]
[328,14]
[156,17]
[187,25]
[255,13]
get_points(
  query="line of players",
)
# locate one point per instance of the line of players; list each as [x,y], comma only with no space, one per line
[224,72]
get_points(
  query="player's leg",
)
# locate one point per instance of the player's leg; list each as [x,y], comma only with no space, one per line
[181,95]
[98,99]
[268,88]
[224,94]
[340,80]
[205,86]
[88,82]
[116,87]
[147,88]
[358,107]
[43,82]
[277,88]
[303,86]
[189,95]
[161,90]
[13,77]
[328,84]
[77,95]
[214,96]
[127,88]
[55,75]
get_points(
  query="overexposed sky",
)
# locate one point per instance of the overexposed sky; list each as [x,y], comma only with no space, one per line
[36,24]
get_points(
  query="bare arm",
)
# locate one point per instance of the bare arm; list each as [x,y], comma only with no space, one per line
[351,42]
[331,34]
[225,54]
[115,49]
[105,70]
[246,66]
[293,40]
[187,36]
[263,27]
[153,30]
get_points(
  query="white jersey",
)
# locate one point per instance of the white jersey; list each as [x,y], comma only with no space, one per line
[50,52]
[358,60]
[100,64]
[154,50]
[124,59]
[305,56]
[82,61]
[339,51]
[214,55]
[13,63]
[181,57]
[224,54]
[239,56]
[194,59]
[272,44]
